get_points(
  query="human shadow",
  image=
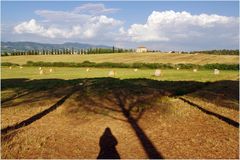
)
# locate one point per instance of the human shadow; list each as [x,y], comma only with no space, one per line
[107,145]
[127,98]
[131,97]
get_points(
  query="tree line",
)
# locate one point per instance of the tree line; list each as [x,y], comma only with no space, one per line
[218,52]
[68,51]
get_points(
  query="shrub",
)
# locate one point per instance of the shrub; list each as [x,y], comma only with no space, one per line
[222,66]
[133,65]
[9,64]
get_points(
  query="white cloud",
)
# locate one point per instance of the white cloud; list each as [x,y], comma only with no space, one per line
[29,27]
[94,9]
[62,16]
[91,28]
[82,23]
[172,26]
[78,14]
[167,29]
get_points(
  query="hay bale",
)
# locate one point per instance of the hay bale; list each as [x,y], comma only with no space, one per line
[21,67]
[216,71]
[50,70]
[178,68]
[135,70]
[10,67]
[87,69]
[195,70]
[40,68]
[111,73]
[157,72]
[41,72]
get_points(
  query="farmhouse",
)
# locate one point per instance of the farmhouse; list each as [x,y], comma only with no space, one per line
[141,49]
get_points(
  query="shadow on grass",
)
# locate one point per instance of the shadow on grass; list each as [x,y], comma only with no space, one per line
[222,93]
[107,145]
[37,116]
[225,119]
[131,97]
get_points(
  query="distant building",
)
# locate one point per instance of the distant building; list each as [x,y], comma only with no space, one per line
[141,49]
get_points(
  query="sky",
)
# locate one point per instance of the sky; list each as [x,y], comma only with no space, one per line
[158,25]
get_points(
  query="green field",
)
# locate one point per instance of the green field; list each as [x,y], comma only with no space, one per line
[122,73]
[128,58]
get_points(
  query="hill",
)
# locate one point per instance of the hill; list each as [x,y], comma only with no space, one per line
[24,46]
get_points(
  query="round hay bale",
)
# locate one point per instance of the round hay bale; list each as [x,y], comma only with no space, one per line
[195,70]
[41,72]
[10,67]
[87,69]
[157,72]
[178,68]
[135,70]
[216,71]
[21,67]
[50,70]
[111,73]
[40,68]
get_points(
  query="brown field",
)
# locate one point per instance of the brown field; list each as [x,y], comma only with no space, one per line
[173,58]
[146,119]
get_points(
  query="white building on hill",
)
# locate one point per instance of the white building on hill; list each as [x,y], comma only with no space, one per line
[141,49]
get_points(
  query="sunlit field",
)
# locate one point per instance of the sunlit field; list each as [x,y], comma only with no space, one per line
[119,80]
[122,73]
[52,112]
[128,58]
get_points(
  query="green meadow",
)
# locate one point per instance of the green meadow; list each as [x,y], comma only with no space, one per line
[121,73]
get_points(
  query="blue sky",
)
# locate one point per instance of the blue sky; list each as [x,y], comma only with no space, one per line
[157,25]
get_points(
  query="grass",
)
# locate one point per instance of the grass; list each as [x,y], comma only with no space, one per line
[128,58]
[81,119]
[122,73]
[103,102]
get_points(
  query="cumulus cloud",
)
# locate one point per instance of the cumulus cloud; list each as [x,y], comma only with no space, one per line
[172,26]
[93,27]
[165,29]
[85,22]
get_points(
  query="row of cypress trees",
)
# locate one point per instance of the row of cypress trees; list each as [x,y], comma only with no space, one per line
[68,51]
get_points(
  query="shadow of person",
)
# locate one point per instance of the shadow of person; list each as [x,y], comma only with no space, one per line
[107,144]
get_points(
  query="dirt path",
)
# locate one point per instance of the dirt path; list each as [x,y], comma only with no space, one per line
[172,127]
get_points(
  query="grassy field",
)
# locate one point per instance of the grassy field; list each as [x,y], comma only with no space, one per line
[122,73]
[129,58]
[145,117]
[73,113]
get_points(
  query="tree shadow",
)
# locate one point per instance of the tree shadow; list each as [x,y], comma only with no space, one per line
[148,146]
[221,93]
[222,118]
[129,97]
[39,115]
[107,145]
[124,97]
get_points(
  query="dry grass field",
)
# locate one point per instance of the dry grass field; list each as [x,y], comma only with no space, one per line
[129,118]
[80,113]
[128,58]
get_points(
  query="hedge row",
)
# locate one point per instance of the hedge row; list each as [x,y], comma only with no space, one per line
[9,64]
[128,65]
[134,65]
